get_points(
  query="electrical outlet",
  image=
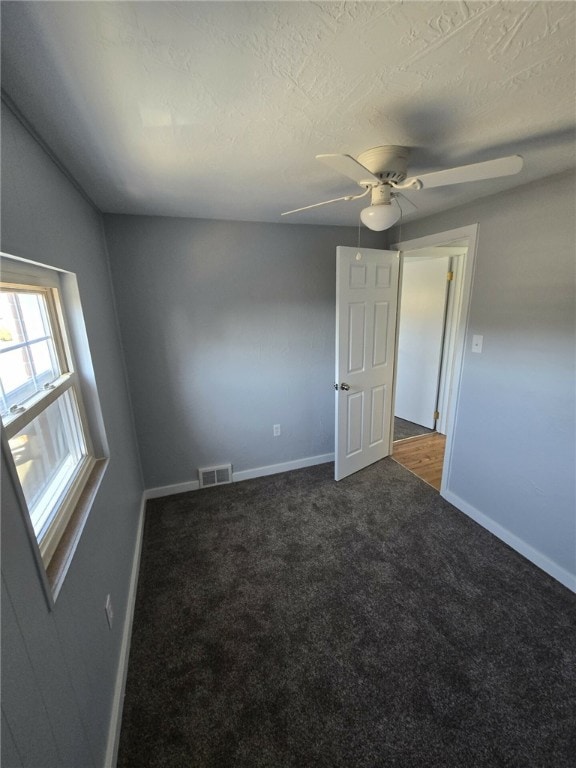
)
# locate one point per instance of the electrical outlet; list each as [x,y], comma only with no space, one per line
[276,429]
[109,611]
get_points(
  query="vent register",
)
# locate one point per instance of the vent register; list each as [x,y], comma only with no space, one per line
[210,476]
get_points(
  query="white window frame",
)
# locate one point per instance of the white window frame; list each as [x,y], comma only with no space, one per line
[56,541]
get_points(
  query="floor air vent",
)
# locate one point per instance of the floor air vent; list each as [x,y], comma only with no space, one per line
[215,475]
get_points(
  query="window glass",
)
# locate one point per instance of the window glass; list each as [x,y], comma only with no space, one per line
[47,453]
[28,357]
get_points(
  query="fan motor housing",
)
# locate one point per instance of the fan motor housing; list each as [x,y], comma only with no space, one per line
[389,162]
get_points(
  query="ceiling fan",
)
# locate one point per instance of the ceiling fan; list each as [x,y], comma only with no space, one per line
[383,172]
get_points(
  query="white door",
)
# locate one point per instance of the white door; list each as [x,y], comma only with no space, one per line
[366,305]
[420,337]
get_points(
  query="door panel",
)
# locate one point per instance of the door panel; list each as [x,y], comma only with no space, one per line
[381,315]
[355,423]
[357,325]
[366,305]
[378,415]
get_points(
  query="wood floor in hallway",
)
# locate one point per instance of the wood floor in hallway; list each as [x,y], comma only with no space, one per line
[424,456]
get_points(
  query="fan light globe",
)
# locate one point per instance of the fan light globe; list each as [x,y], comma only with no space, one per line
[379,217]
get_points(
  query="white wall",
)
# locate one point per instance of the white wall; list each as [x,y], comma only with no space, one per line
[59,666]
[424,294]
[514,442]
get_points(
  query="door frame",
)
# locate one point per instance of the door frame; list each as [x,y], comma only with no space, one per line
[452,309]
[448,237]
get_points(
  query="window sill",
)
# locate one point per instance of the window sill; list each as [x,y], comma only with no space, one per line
[62,557]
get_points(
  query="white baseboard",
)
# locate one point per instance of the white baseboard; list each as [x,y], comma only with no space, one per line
[171,490]
[549,566]
[120,687]
[246,474]
[286,466]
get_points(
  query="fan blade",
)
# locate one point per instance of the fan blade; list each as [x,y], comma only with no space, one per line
[326,202]
[317,205]
[491,169]
[346,165]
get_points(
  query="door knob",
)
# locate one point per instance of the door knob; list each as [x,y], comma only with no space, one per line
[345,386]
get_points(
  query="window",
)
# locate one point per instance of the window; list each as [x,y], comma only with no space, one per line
[43,415]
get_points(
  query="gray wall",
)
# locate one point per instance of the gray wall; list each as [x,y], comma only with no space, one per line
[59,666]
[514,441]
[228,329]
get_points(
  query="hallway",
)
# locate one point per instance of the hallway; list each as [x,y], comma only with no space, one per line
[423,456]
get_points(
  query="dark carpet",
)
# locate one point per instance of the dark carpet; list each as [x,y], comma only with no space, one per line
[291,621]
[404,429]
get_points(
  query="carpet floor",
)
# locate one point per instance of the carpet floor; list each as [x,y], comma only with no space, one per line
[291,621]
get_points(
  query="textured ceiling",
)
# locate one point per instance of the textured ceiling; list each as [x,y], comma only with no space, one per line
[217,109]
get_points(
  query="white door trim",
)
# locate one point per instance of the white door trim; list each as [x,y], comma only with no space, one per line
[469,233]
[445,391]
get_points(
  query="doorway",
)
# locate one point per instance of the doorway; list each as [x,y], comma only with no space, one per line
[430,276]
[426,448]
